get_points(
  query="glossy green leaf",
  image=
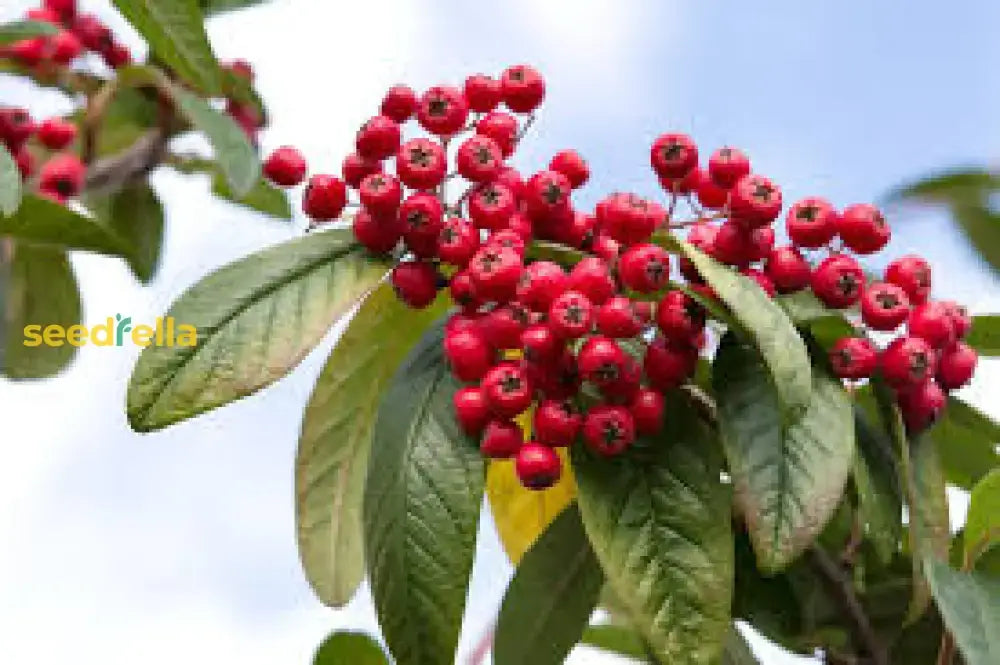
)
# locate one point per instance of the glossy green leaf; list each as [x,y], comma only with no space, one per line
[37,287]
[982,525]
[422,502]
[804,307]
[349,649]
[967,441]
[620,640]
[928,510]
[256,319]
[233,151]
[336,436]
[783,350]
[128,116]
[14,32]
[769,603]
[41,221]
[262,197]
[984,336]
[10,183]
[175,32]
[788,476]
[550,600]
[948,185]
[982,229]
[212,7]
[970,606]
[876,479]
[658,518]
[136,215]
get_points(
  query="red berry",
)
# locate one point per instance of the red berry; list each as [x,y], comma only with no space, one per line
[29,52]
[755,201]
[645,268]
[628,218]
[546,195]
[556,423]
[16,126]
[957,365]
[853,358]
[502,326]
[733,244]
[421,163]
[378,138]
[509,240]
[56,133]
[25,162]
[540,344]
[508,390]
[65,46]
[727,165]
[380,193]
[377,231]
[62,175]
[884,306]
[838,281]
[762,280]
[608,430]
[591,278]
[471,410]
[761,243]
[605,247]
[502,439]
[571,315]
[463,291]
[324,197]
[679,317]
[491,206]
[669,364]
[442,110]
[960,319]
[91,31]
[863,228]
[461,321]
[922,405]
[511,179]
[913,274]
[479,159]
[117,55]
[673,155]
[66,9]
[787,269]
[579,231]
[710,194]
[647,410]
[622,318]
[812,222]
[541,282]
[501,127]
[932,322]
[482,92]
[908,361]
[421,217]
[415,283]
[457,242]
[538,467]
[399,103]
[285,167]
[468,353]
[522,88]
[43,15]
[496,272]
[355,168]
[571,165]
[600,361]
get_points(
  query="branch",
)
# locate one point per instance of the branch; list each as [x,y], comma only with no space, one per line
[112,173]
[843,592]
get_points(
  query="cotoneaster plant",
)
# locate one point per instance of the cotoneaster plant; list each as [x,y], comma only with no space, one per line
[672,417]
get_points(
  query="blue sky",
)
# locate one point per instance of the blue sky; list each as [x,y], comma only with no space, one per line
[179,546]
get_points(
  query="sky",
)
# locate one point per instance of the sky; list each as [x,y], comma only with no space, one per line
[179,546]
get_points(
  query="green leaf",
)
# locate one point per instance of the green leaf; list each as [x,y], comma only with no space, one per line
[982,525]
[37,287]
[550,600]
[350,649]
[212,7]
[658,518]
[41,221]
[136,215]
[970,606]
[621,640]
[967,441]
[788,476]
[256,319]
[982,229]
[175,32]
[262,197]
[10,183]
[948,185]
[15,32]
[876,478]
[804,307]
[236,156]
[336,438]
[984,336]
[768,602]
[422,502]
[129,115]
[764,322]
[928,510]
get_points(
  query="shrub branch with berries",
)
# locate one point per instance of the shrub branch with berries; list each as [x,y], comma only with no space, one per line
[672,417]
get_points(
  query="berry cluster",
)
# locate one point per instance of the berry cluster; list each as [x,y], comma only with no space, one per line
[77,34]
[61,176]
[591,348]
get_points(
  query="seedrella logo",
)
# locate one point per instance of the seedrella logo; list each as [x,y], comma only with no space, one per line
[115,331]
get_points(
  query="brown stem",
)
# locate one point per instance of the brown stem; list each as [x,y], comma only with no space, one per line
[947,652]
[97,106]
[843,592]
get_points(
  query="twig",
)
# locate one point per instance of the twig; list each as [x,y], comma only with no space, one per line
[947,652]
[843,592]
[138,160]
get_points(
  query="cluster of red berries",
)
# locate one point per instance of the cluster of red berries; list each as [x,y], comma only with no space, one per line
[593,347]
[61,176]
[77,34]
[246,115]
